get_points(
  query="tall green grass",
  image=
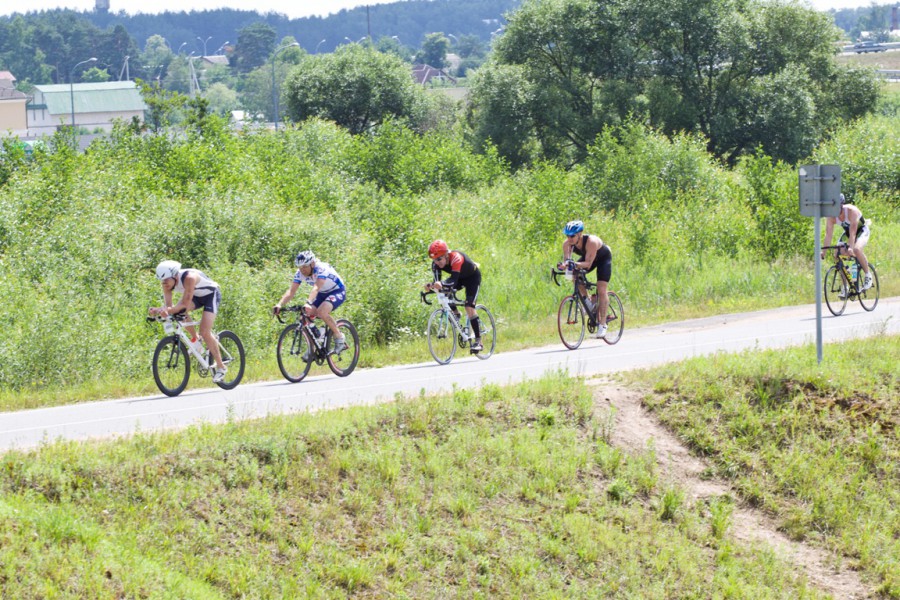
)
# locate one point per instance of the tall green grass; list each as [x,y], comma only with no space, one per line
[80,235]
[500,493]
[818,446]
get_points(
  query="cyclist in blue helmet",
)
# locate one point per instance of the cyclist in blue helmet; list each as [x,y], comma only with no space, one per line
[592,255]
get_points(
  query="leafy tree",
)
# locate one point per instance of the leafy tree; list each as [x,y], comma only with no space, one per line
[499,112]
[434,50]
[356,87]
[392,45]
[255,88]
[743,73]
[255,43]
[95,75]
[222,100]
[163,107]
[471,46]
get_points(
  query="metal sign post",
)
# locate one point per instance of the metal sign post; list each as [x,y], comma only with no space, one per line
[820,196]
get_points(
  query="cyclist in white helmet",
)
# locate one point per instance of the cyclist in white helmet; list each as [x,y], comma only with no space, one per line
[197,291]
[328,292]
[593,254]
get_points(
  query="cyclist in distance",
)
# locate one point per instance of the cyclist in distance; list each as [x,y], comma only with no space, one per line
[857,230]
[197,291]
[328,292]
[593,254]
[464,273]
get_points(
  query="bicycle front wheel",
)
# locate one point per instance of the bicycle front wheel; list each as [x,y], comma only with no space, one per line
[571,322]
[233,356]
[836,290]
[295,351]
[869,298]
[343,363]
[487,327]
[171,367]
[615,319]
[441,337]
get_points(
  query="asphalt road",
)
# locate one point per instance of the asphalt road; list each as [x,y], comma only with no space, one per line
[638,348]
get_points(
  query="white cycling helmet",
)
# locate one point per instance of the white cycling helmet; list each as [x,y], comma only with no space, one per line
[304,258]
[167,269]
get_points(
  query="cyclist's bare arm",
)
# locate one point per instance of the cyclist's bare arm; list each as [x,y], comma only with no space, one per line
[287,296]
[185,302]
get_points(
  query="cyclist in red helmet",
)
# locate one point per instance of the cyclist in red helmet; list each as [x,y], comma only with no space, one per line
[464,273]
[594,254]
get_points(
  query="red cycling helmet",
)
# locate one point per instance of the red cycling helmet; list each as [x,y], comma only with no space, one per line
[437,249]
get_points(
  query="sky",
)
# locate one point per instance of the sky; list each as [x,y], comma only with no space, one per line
[294,9]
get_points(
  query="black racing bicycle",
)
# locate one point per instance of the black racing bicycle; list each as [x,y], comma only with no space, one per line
[576,315]
[303,344]
[843,282]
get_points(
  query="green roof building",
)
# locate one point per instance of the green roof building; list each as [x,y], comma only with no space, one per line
[96,106]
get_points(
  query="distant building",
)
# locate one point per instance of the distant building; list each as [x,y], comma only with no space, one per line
[12,107]
[215,59]
[423,74]
[96,106]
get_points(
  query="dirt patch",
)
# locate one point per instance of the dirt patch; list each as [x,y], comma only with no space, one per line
[634,427]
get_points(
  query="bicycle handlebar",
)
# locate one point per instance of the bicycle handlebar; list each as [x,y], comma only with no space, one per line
[838,246]
[180,316]
[451,296]
[295,308]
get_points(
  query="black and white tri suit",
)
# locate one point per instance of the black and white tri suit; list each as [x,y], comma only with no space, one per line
[207,294]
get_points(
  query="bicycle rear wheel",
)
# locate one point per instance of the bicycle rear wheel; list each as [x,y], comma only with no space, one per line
[869,298]
[171,367]
[835,287]
[487,327]
[615,319]
[343,364]
[571,322]
[232,351]
[294,351]
[441,337]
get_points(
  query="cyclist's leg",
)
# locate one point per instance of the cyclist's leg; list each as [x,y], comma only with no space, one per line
[210,309]
[472,286]
[325,304]
[861,241]
[603,263]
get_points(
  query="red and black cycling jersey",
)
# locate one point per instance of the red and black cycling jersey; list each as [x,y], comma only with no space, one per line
[460,267]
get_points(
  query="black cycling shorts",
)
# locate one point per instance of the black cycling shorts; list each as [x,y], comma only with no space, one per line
[603,264]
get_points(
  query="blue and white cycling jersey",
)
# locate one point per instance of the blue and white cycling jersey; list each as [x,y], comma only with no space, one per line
[325,273]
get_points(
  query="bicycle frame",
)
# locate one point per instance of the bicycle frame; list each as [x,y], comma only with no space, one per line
[307,323]
[580,277]
[176,326]
[449,318]
[842,262]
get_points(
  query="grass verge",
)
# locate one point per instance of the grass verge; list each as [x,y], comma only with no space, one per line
[502,492]
[818,446]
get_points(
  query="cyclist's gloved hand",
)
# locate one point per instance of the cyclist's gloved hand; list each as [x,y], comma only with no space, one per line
[276,309]
[570,264]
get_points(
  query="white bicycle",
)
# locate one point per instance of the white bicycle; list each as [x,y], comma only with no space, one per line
[447,327]
[171,362]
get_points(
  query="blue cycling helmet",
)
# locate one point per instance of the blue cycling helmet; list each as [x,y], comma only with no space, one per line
[573,227]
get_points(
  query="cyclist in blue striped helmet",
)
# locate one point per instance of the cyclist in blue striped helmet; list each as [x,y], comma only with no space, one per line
[592,254]
[328,292]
